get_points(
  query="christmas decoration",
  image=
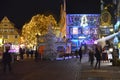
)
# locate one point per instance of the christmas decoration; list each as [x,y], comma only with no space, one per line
[50,50]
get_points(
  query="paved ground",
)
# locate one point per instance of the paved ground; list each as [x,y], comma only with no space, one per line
[106,72]
[69,69]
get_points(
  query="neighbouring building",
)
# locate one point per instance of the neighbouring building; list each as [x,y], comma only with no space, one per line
[82,27]
[8,32]
[78,28]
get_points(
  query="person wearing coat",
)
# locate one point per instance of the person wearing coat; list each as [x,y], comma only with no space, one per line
[6,60]
[80,53]
[98,56]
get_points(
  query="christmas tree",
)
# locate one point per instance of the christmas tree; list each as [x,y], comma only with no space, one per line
[50,50]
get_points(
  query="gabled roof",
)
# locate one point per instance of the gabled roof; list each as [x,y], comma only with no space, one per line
[5,19]
[6,23]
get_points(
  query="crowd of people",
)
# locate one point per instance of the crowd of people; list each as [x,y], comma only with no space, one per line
[8,57]
[95,55]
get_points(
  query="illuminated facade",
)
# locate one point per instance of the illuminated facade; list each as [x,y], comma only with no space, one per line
[8,33]
[82,27]
[109,24]
[109,17]
[106,26]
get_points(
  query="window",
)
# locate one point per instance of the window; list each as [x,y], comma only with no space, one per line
[16,36]
[5,30]
[75,30]
[11,30]
[5,36]
[1,30]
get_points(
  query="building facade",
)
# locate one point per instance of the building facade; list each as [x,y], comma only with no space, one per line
[82,28]
[8,32]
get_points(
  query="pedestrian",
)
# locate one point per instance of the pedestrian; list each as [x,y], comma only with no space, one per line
[80,54]
[36,55]
[27,53]
[31,52]
[98,56]
[104,55]
[91,57]
[83,47]
[21,51]
[7,59]
[76,53]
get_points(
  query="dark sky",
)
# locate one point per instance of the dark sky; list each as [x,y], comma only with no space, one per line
[21,11]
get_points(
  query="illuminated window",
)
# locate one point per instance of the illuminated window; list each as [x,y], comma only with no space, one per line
[75,30]
[5,36]
[5,30]
[1,30]
[11,30]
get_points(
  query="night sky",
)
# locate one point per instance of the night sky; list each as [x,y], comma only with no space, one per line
[21,11]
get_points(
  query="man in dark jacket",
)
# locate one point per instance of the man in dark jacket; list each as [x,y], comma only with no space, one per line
[7,58]
[80,54]
[98,56]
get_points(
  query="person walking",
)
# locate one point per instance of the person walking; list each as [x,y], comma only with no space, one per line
[91,57]
[36,56]
[22,52]
[7,59]
[76,53]
[98,56]
[80,54]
